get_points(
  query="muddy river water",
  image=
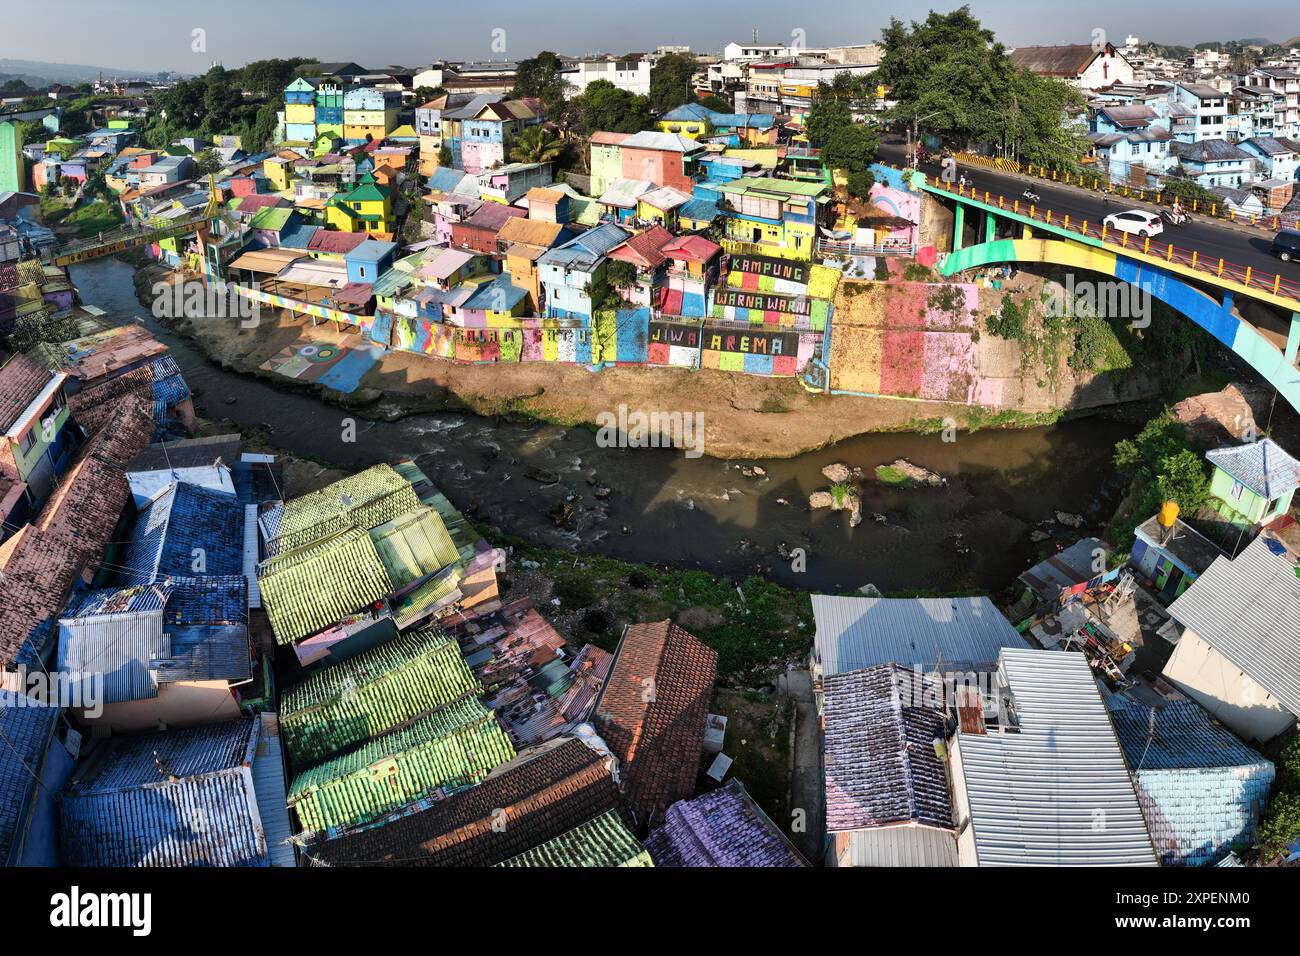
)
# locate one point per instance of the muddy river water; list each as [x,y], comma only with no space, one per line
[700,512]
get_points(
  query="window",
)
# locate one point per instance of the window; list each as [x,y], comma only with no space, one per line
[1237,489]
[1272,506]
[27,440]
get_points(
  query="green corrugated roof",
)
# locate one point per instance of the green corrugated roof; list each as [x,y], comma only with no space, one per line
[425,598]
[273,218]
[363,500]
[600,842]
[785,187]
[414,545]
[316,586]
[452,747]
[373,692]
[462,532]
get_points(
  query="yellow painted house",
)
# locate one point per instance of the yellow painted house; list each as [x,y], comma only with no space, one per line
[368,207]
[279,172]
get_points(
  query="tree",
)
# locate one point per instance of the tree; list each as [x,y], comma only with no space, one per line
[423,94]
[950,73]
[542,76]
[207,161]
[604,106]
[715,103]
[670,81]
[536,144]
[844,143]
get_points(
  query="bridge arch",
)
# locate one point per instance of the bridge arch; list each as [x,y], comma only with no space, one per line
[1215,317]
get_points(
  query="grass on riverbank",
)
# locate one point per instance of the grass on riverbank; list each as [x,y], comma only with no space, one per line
[758,628]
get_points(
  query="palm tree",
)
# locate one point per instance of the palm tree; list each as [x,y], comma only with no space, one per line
[537,144]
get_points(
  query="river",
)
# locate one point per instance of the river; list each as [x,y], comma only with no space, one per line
[972,534]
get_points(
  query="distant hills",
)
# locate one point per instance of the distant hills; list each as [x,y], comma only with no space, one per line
[39,73]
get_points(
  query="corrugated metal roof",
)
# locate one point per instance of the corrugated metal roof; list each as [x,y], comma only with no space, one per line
[1201,789]
[115,649]
[601,842]
[27,728]
[177,798]
[854,632]
[1057,793]
[906,845]
[450,748]
[1248,609]
[250,555]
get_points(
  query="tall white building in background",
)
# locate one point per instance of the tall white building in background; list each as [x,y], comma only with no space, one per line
[632,75]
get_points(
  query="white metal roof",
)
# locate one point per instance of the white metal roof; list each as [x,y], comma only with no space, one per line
[855,632]
[1248,609]
[1058,793]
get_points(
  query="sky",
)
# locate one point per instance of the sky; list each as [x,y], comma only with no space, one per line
[150,35]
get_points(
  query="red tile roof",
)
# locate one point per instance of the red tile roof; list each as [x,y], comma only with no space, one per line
[691,249]
[652,712]
[327,240]
[43,559]
[541,794]
[645,248]
[21,380]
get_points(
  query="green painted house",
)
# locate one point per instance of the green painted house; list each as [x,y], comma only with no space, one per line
[34,442]
[373,692]
[1254,483]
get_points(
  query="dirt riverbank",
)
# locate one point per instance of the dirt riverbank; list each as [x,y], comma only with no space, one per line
[745,416]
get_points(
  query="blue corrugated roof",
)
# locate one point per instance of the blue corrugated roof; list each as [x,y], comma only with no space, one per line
[297,236]
[699,209]
[586,248]
[1180,735]
[499,295]
[178,798]
[1201,789]
[27,731]
[445,179]
[187,530]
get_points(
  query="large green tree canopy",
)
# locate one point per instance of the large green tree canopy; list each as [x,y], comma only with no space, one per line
[949,74]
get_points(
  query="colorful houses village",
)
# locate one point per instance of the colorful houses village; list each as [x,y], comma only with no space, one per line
[204,663]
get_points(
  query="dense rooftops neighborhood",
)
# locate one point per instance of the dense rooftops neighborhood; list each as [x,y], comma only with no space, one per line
[219,648]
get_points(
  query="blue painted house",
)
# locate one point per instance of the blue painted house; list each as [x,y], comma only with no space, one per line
[367,261]
[570,272]
[1202,791]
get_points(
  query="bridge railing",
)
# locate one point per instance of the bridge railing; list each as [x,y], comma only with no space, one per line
[1213,267]
[1100,183]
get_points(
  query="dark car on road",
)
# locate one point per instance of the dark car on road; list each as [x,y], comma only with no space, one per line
[1286,245]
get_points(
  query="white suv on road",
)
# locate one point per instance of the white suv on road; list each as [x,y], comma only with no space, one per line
[1135,221]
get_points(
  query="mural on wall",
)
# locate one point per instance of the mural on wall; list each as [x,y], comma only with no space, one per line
[762,290]
[906,339]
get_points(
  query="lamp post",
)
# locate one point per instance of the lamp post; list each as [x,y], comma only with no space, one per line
[914,133]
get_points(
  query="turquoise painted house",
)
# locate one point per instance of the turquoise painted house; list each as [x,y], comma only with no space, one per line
[1254,483]
[1202,791]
